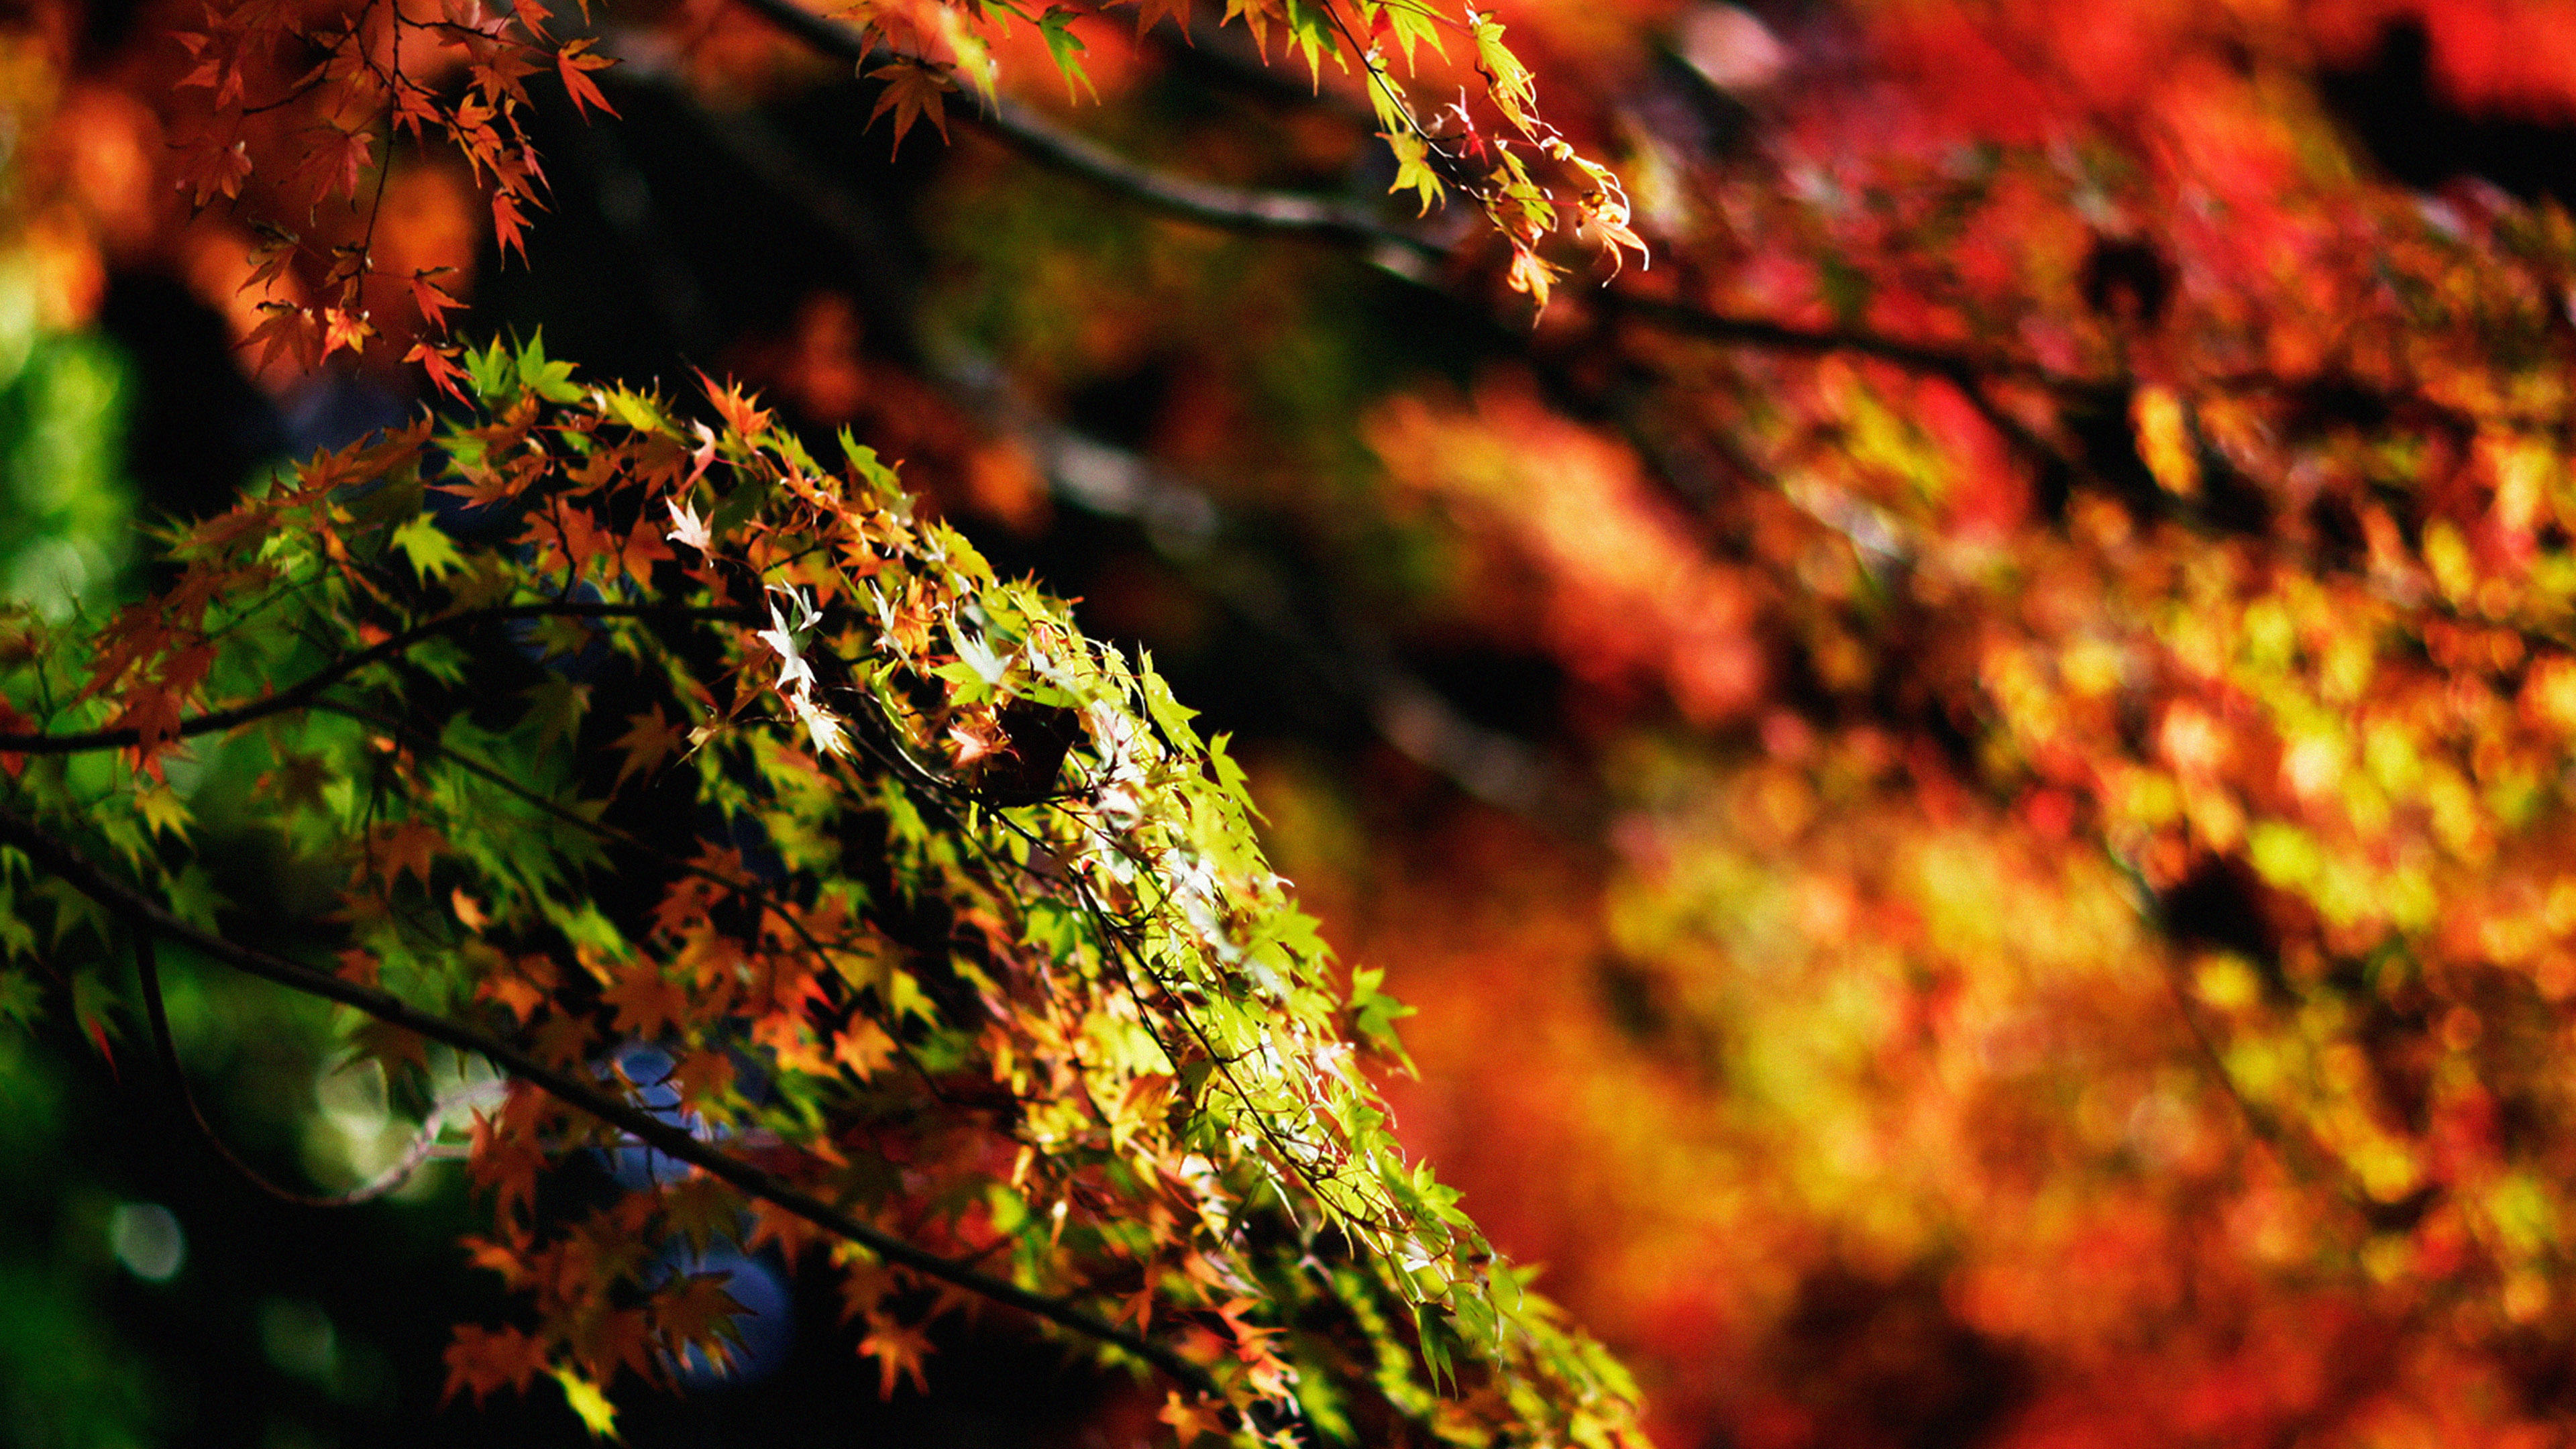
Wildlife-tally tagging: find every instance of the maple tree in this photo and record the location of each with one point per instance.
(959, 965)
(2009, 693)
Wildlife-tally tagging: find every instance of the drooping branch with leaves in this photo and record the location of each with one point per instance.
(950, 934)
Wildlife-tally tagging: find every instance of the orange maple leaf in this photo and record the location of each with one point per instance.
(344, 329)
(898, 1350)
(212, 171)
(739, 415)
(864, 1048)
(433, 300)
(649, 740)
(288, 329)
(646, 1004)
(702, 1078)
(482, 1359)
(570, 63)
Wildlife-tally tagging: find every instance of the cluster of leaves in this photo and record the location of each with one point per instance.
(336, 90)
(937, 909)
(1435, 148)
(2062, 590)
(332, 89)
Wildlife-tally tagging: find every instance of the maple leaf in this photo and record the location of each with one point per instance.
(597, 1414)
(212, 171)
(637, 551)
(1413, 167)
(791, 1042)
(649, 740)
(1507, 80)
(433, 300)
(697, 1311)
(863, 1047)
(571, 63)
(440, 364)
(509, 224)
(647, 1003)
(830, 737)
(432, 552)
(153, 714)
(1055, 27)
(911, 91)
(1191, 1418)
(406, 848)
(687, 527)
(163, 810)
(520, 997)
(1532, 274)
(506, 1155)
(414, 104)
(736, 410)
(898, 1350)
(275, 252)
(287, 329)
(795, 676)
(702, 1078)
(480, 1360)
(340, 159)
(1176, 11)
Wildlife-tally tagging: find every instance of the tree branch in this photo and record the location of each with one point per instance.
(60, 859)
(1232, 208)
(303, 691)
(1406, 253)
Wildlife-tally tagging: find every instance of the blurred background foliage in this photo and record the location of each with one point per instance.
(1978, 819)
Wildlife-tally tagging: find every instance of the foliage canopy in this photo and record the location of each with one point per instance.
(1997, 717)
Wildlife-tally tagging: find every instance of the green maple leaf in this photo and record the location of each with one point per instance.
(432, 553)
(1064, 45)
(21, 999)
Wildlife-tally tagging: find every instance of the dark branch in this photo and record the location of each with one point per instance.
(1961, 367)
(1408, 253)
(60, 859)
(303, 691)
(1232, 208)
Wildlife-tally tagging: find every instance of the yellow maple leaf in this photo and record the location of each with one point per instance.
(1413, 167)
(597, 1414)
